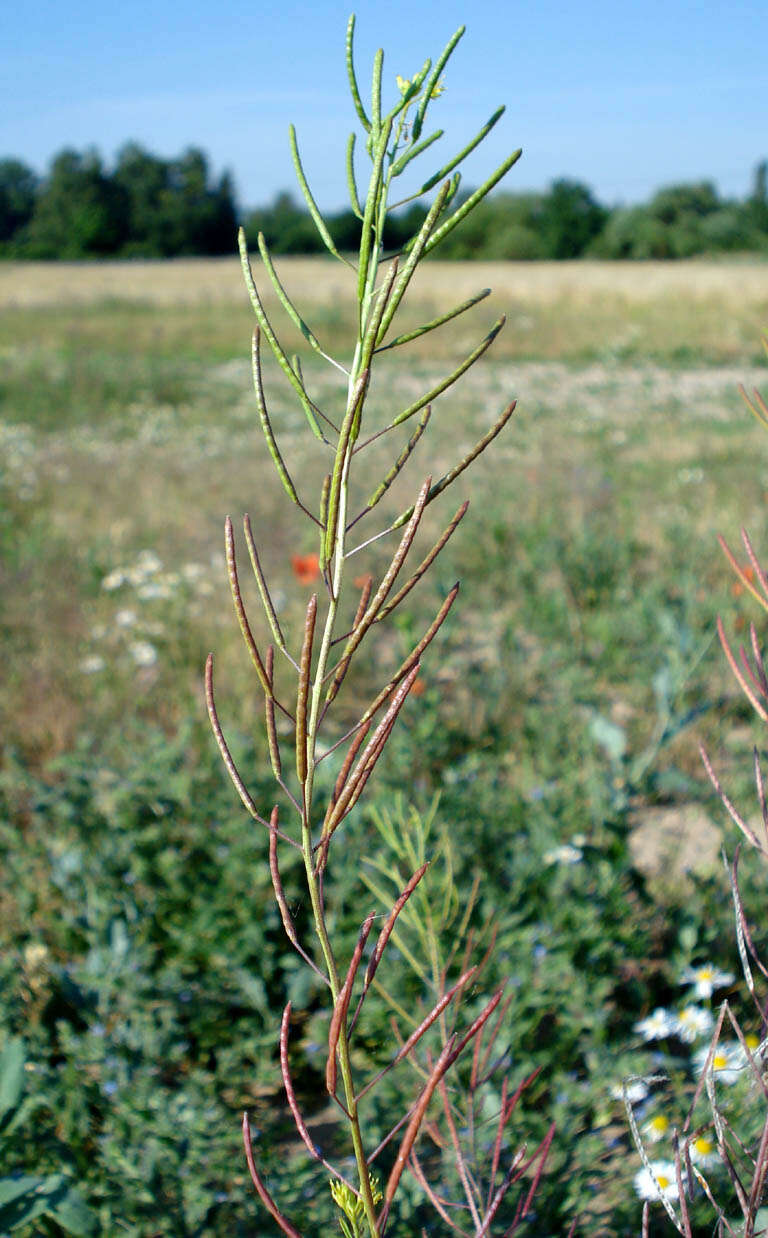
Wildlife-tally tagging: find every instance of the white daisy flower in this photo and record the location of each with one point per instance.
(635, 1091)
(657, 1026)
(143, 653)
(563, 855)
(154, 590)
(655, 1128)
(114, 580)
(727, 1061)
(126, 617)
(92, 664)
(706, 979)
(692, 1022)
(147, 564)
(704, 1152)
(661, 1183)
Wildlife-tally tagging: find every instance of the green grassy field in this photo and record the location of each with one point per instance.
(567, 696)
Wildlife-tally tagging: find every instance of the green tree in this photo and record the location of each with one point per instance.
(287, 227)
(79, 212)
(570, 219)
(18, 187)
(143, 179)
(758, 200)
(199, 218)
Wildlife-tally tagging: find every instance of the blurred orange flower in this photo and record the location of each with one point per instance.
(418, 687)
(306, 568)
(737, 587)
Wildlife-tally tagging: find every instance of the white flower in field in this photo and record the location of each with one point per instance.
(192, 572)
(704, 1152)
(656, 1026)
(92, 664)
(154, 590)
(655, 1128)
(727, 1061)
(114, 580)
(661, 1183)
(146, 564)
(566, 854)
(706, 979)
(692, 1022)
(126, 617)
(635, 1090)
(143, 653)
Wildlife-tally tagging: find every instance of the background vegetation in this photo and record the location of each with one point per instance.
(147, 206)
(142, 959)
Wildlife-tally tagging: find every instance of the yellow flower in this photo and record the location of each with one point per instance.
(404, 85)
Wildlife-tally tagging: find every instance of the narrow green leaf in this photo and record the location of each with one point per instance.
(14, 1188)
(74, 1216)
(28, 1198)
(309, 408)
(351, 181)
(400, 164)
(317, 218)
(401, 460)
(357, 395)
(378, 65)
(372, 203)
(457, 159)
(476, 353)
(290, 308)
(464, 463)
(383, 294)
(266, 424)
(240, 611)
(12, 1061)
(404, 278)
(433, 80)
(324, 493)
(364, 121)
(407, 336)
(261, 580)
(472, 201)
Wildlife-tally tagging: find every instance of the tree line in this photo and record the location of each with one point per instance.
(151, 207)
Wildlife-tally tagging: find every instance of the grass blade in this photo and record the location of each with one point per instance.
(312, 206)
(479, 447)
(274, 343)
(433, 80)
(290, 308)
(443, 385)
(407, 336)
(467, 150)
(353, 87)
(473, 200)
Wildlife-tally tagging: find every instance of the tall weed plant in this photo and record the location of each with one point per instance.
(319, 714)
(712, 1171)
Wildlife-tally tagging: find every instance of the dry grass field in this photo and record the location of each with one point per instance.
(128, 423)
(713, 310)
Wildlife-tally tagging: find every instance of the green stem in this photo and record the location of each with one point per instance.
(311, 876)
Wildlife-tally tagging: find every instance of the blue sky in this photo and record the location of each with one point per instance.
(626, 96)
